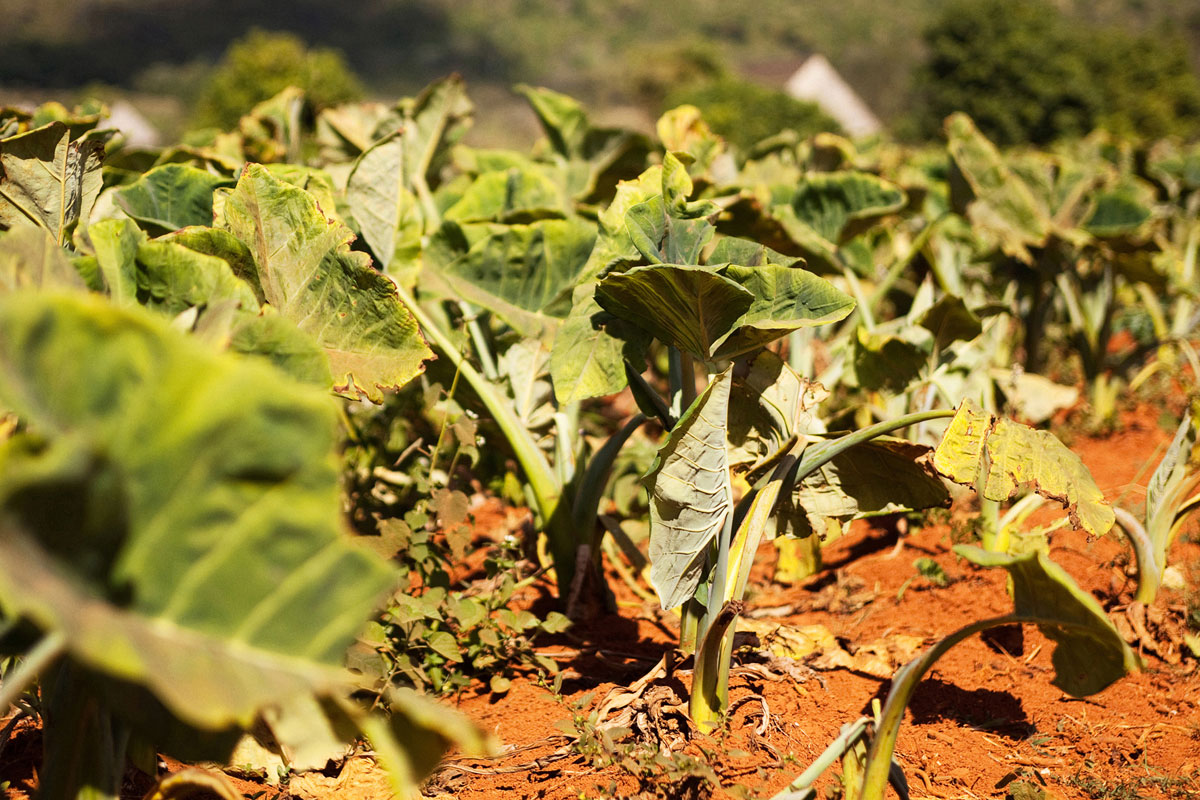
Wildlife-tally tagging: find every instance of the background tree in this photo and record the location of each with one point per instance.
(1026, 73)
(745, 113)
(262, 64)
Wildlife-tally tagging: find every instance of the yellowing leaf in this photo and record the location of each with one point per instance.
(310, 276)
(998, 456)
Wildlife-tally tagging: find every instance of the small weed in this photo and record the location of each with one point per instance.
(1173, 788)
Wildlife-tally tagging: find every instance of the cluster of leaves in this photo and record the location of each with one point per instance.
(332, 254)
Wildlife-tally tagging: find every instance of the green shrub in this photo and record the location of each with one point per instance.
(262, 64)
(745, 113)
(1025, 73)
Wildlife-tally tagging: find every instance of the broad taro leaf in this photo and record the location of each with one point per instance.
(30, 258)
(887, 362)
(163, 274)
(769, 402)
(197, 512)
(523, 273)
(194, 549)
(1089, 654)
(518, 194)
(380, 196)
(614, 248)
(949, 320)
(690, 494)
(998, 456)
(563, 119)
(224, 245)
(663, 238)
(310, 276)
(588, 152)
(877, 477)
(987, 191)
(48, 180)
(171, 197)
(434, 120)
(841, 205)
(824, 214)
(734, 250)
(280, 342)
(692, 308)
(116, 243)
(1119, 213)
(786, 299)
(590, 349)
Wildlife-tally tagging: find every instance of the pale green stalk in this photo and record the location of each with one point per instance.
(538, 472)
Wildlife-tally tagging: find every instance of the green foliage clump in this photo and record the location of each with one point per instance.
(1025, 73)
(745, 113)
(262, 64)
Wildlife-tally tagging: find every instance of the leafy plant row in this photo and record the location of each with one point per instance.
(181, 331)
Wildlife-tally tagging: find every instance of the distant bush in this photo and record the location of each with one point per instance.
(1025, 73)
(746, 113)
(262, 64)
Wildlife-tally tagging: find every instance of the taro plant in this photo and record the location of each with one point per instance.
(172, 550)
(500, 248)
(1172, 494)
(1070, 231)
(997, 456)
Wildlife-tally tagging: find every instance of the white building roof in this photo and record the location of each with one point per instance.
(818, 82)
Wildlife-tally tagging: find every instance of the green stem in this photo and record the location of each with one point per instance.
(1149, 571)
(483, 350)
(883, 744)
(801, 788)
(710, 681)
(591, 485)
(687, 375)
(547, 491)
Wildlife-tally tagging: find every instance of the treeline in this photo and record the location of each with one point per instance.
(1026, 70)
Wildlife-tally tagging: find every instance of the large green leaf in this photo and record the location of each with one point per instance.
(433, 120)
(768, 404)
(998, 456)
(1089, 653)
(692, 308)
(197, 503)
(786, 299)
(663, 238)
(877, 477)
(310, 276)
(172, 514)
(164, 274)
(116, 243)
(30, 258)
(380, 196)
(690, 494)
(585, 151)
(840, 205)
(225, 246)
(885, 361)
(48, 180)
(524, 273)
(995, 199)
(171, 196)
(590, 349)
(518, 194)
